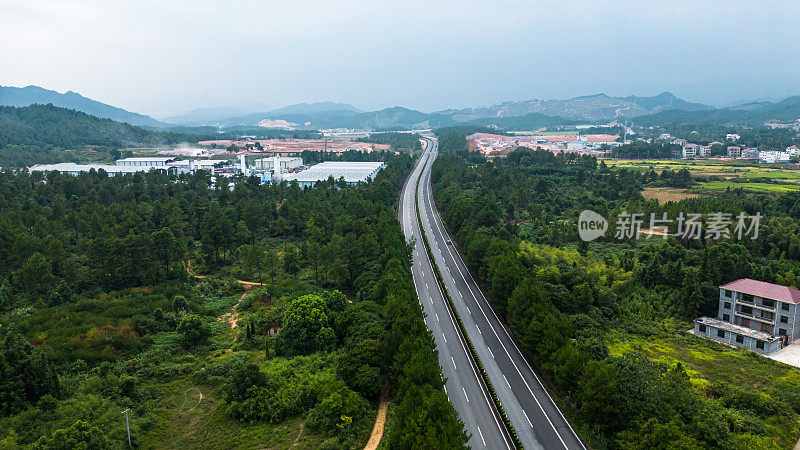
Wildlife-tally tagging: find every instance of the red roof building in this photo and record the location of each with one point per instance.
(764, 290)
(761, 316)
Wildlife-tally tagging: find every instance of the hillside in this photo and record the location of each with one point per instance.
(51, 126)
(525, 115)
(531, 121)
(751, 114)
(30, 95)
(315, 108)
(299, 113)
(600, 107)
(41, 133)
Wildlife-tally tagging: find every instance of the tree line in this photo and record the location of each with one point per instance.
(567, 300)
(105, 258)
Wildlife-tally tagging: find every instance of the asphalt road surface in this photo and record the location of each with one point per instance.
(463, 383)
(536, 419)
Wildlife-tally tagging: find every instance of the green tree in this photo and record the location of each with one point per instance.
(337, 412)
(79, 436)
(307, 326)
(254, 258)
(194, 330)
(6, 300)
(426, 419)
(25, 375)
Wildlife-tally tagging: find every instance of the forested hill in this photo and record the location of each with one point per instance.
(607, 321)
(49, 126)
(30, 95)
(752, 114)
(99, 315)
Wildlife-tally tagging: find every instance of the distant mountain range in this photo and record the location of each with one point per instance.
(748, 114)
(593, 108)
(49, 126)
(660, 109)
(599, 107)
(14, 96)
(297, 114)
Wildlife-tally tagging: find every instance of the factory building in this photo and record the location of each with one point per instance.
(352, 172)
(75, 169)
(172, 167)
(191, 165)
(283, 163)
(155, 161)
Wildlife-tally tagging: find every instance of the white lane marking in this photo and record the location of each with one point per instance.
(445, 389)
(431, 298)
(454, 363)
(507, 383)
(482, 439)
(479, 328)
(426, 285)
(437, 316)
(445, 338)
(420, 202)
(502, 345)
(468, 311)
(465, 394)
(490, 352)
(526, 418)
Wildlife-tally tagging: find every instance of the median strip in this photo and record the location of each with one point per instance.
(487, 383)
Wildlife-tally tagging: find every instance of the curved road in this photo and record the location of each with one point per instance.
(535, 417)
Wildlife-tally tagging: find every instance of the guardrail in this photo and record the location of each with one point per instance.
(462, 330)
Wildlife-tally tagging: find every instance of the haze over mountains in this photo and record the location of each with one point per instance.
(528, 114)
(15, 96)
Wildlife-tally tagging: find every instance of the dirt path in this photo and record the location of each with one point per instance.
(302, 427)
(232, 317)
(380, 420)
(181, 410)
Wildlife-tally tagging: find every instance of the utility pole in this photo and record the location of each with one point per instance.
(128, 425)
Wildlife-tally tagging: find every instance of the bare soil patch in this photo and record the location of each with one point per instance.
(664, 195)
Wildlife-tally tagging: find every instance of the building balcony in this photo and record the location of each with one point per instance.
(760, 318)
(756, 305)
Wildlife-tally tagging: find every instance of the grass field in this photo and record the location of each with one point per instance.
(756, 187)
(193, 416)
(708, 362)
(719, 168)
(774, 174)
(745, 175)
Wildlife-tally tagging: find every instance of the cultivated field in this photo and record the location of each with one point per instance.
(758, 187)
(750, 176)
(664, 195)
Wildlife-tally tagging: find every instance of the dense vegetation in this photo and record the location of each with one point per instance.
(646, 150)
(270, 133)
(754, 114)
(99, 314)
(759, 137)
(408, 142)
(41, 133)
(606, 321)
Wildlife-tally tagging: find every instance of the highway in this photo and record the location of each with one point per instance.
(533, 414)
(463, 385)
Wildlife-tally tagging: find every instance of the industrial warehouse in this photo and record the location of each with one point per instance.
(352, 172)
(266, 169)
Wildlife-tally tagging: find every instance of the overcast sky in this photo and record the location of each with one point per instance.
(165, 57)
